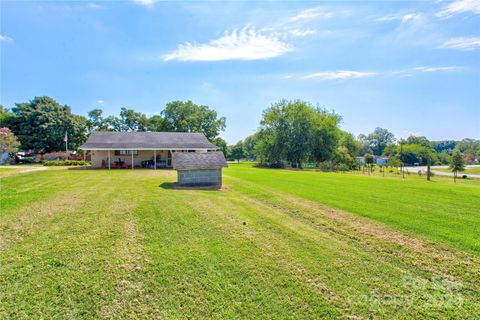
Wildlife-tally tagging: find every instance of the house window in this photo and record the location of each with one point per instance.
(126, 152)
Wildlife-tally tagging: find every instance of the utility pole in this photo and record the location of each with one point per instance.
(401, 158)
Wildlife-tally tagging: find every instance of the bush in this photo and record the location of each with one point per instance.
(464, 176)
(55, 156)
(66, 163)
(270, 165)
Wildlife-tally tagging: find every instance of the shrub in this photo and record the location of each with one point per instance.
(66, 163)
(55, 156)
(464, 176)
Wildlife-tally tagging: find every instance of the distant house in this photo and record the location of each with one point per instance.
(142, 149)
(199, 169)
(378, 160)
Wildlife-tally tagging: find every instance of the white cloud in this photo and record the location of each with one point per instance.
(349, 74)
(100, 101)
(460, 6)
(4, 38)
(311, 14)
(462, 43)
(245, 44)
(401, 17)
(342, 74)
(438, 69)
(94, 6)
(302, 32)
(146, 3)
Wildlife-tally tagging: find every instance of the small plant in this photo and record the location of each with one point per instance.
(65, 163)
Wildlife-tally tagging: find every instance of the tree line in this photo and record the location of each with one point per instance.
(291, 133)
(41, 124)
(296, 132)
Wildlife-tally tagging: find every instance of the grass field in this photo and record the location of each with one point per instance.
(271, 244)
(472, 170)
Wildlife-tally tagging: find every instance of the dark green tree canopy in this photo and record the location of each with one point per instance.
(379, 139)
(41, 125)
(296, 131)
(186, 116)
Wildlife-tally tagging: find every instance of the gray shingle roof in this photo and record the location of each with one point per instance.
(198, 160)
(147, 140)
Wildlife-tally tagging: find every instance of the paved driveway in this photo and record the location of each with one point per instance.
(441, 173)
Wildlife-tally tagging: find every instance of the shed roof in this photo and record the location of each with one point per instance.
(107, 140)
(198, 160)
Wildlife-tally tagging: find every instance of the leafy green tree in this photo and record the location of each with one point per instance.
(221, 144)
(132, 120)
(420, 140)
(156, 123)
(295, 131)
(8, 142)
(96, 122)
(5, 116)
(237, 151)
(364, 145)
(457, 164)
(379, 139)
(41, 125)
(249, 145)
(186, 116)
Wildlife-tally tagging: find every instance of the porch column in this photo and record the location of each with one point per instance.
(132, 160)
(108, 159)
(155, 159)
(84, 156)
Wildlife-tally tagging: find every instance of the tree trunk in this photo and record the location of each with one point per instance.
(428, 170)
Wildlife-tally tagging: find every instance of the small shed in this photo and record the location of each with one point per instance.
(199, 168)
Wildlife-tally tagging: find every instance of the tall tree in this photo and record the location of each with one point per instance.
(237, 151)
(249, 144)
(96, 122)
(41, 125)
(296, 131)
(132, 120)
(379, 139)
(186, 116)
(457, 164)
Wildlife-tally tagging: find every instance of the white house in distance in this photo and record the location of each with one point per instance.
(153, 150)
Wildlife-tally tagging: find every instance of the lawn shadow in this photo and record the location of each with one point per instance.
(176, 186)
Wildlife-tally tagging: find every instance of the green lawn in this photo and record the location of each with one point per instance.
(474, 170)
(271, 244)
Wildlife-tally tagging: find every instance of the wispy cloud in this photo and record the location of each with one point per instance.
(302, 32)
(352, 74)
(4, 38)
(439, 69)
(460, 6)
(311, 13)
(244, 44)
(146, 3)
(403, 18)
(100, 101)
(94, 6)
(335, 75)
(462, 43)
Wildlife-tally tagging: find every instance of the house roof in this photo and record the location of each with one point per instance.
(198, 160)
(107, 140)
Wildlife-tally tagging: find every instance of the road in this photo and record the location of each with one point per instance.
(442, 173)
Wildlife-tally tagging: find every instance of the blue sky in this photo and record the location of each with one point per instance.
(411, 67)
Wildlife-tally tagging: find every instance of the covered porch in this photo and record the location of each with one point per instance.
(131, 159)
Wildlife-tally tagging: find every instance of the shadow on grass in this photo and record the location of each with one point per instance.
(176, 186)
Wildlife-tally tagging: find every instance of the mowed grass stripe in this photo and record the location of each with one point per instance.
(206, 271)
(358, 281)
(134, 248)
(439, 210)
(71, 265)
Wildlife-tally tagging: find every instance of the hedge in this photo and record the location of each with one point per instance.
(66, 163)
